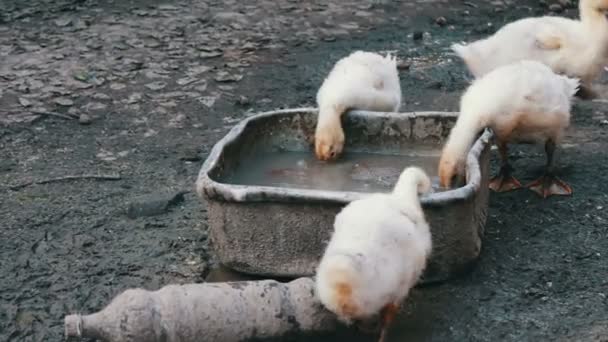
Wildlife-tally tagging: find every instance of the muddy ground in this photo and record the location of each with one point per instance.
(135, 93)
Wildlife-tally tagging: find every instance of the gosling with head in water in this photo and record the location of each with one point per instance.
(524, 102)
(377, 253)
(363, 80)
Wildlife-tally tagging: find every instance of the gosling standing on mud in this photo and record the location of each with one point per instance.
(377, 253)
(524, 102)
(363, 80)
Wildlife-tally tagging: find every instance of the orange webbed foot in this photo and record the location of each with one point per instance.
(549, 185)
(504, 181)
(389, 312)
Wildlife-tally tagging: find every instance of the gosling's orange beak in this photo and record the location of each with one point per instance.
(447, 169)
(324, 152)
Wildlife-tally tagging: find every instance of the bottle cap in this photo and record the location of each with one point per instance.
(73, 326)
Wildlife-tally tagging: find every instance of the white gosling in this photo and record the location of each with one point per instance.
(377, 252)
(575, 48)
(363, 80)
(524, 102)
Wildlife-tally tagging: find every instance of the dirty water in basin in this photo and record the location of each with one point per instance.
(353, 171)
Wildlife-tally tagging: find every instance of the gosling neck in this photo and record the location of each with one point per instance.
(463, 135)
(406, 192)
(330, 117)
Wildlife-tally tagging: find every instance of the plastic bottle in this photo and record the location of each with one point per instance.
(233, 311)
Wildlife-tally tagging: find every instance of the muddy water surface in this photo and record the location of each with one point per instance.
(354, 171)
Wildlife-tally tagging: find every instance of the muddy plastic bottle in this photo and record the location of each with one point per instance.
(226, 312)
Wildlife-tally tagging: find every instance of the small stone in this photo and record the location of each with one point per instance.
(152, 43)
(92, 106)
(243, 101)
(94, 44)
(208, 101)
(441, 21)
(185, 81)
(117, 86)
(25, 102)
(197, 70)
(35, 84)
(153, 205)
(134, 98)
(249, 46)
(226, 88)
(434, 85)
(62, 22)
(167, 8)
(229, 17)
(238, 64)
(141, 13)
(84, 119)
(224, 76)
(81, 75)
(210, 54)
(557, 8)
(81, 24)
(202, 87)
(62, 101)
(190, 154)
(417, 35)
(101, 96)
(132, 64)
(158, 85)
(403, 65)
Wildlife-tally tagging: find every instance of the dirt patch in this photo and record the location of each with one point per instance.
(144, 89)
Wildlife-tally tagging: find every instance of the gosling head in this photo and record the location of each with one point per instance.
(451, 170)
(329, 142)
(599, 6)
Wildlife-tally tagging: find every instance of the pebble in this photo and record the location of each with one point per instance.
(155, 204)
(101, 96)
(158, 85)
(62, 101)
(117, 86)
(243, 101)
(557, 8)
(418, 35)
(84, 119)
(230, 17)
(441, 21)
(62, 22)
(223, 76)
(210, 54)
(190, 154)
(25, 102)
(403, 65)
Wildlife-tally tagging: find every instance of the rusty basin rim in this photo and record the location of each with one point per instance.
(212, 190)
